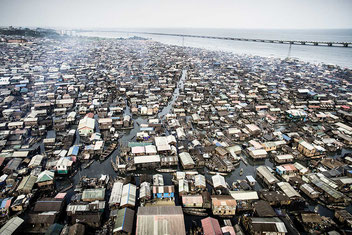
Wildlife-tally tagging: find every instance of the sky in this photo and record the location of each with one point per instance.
(251, 14)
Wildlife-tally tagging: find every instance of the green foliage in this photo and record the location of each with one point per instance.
(38, 32)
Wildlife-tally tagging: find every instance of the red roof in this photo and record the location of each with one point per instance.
(345, 107)
(60, 195)
(2, 159)
(211, 226)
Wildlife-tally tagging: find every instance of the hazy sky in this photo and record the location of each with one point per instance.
(177, 13)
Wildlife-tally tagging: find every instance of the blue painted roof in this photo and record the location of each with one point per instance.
(286, 137)
(75, 150)
(3, 203)
(146, 128)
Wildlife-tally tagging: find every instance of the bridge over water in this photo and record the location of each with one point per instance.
(292, 42)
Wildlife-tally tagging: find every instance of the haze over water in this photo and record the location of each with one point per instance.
(314, 54)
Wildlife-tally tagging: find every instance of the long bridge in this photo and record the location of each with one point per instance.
(292, 42)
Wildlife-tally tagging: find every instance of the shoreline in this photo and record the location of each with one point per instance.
(273, 56)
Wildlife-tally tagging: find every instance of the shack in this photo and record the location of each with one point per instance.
(90, 195)
(265, 174)
(223, 205)
(124, 221)
(160, 219)
(128, 198)
(116, 194)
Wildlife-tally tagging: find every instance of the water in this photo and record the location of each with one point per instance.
(98, 168)
(167, 108)
(313, 54)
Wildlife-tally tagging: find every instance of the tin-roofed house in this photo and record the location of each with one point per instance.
(257, 153)
(86, 126)
(124, 221)
(255, 225)
(158, 179)
(218, 181)
(12, 165)
(147, 161)
(128, 198)
(160, 220)
(90, 195)
(192, 201)
(27, 184)
(199, 182)
(73, 152)
(306, 148)
(90, 214)
(45, 179)
(167, 191)
(186, 160)
(162, 144)
(12, 226)
(116, 194)
(223, 205)
(211, 226)
(45, 213)
(145, 191)
(63, 165)
(309, 191)
(35, 161)
(244, 199)
(266, 175)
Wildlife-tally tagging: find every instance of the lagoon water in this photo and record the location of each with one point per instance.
(314, 54)
(330, 55)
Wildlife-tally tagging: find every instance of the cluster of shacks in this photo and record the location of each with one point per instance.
(236, 144)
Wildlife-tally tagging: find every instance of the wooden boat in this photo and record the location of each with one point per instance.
(244, 160)
(166, 170)
(88, 164)
(241, 172)
(107, 152)
(191, 172)
(66, 189)
(195, 209)
(217, 173)
(192, 212)
(114, 166)
(73, 173)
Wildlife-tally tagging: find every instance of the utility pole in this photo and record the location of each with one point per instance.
(289, 51)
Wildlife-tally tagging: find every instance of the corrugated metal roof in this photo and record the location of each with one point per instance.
(186, 158)
(288, 189)
(211, 226)
(90, 194)
(128, 195)
(244, 195)
(264, 171)
(160, 220)
(27, 183)
(124, 220)
(11, 226)
(146, 159)
(116, 193)
(218, 181)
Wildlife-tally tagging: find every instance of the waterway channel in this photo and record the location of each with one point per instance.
(104, 168)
